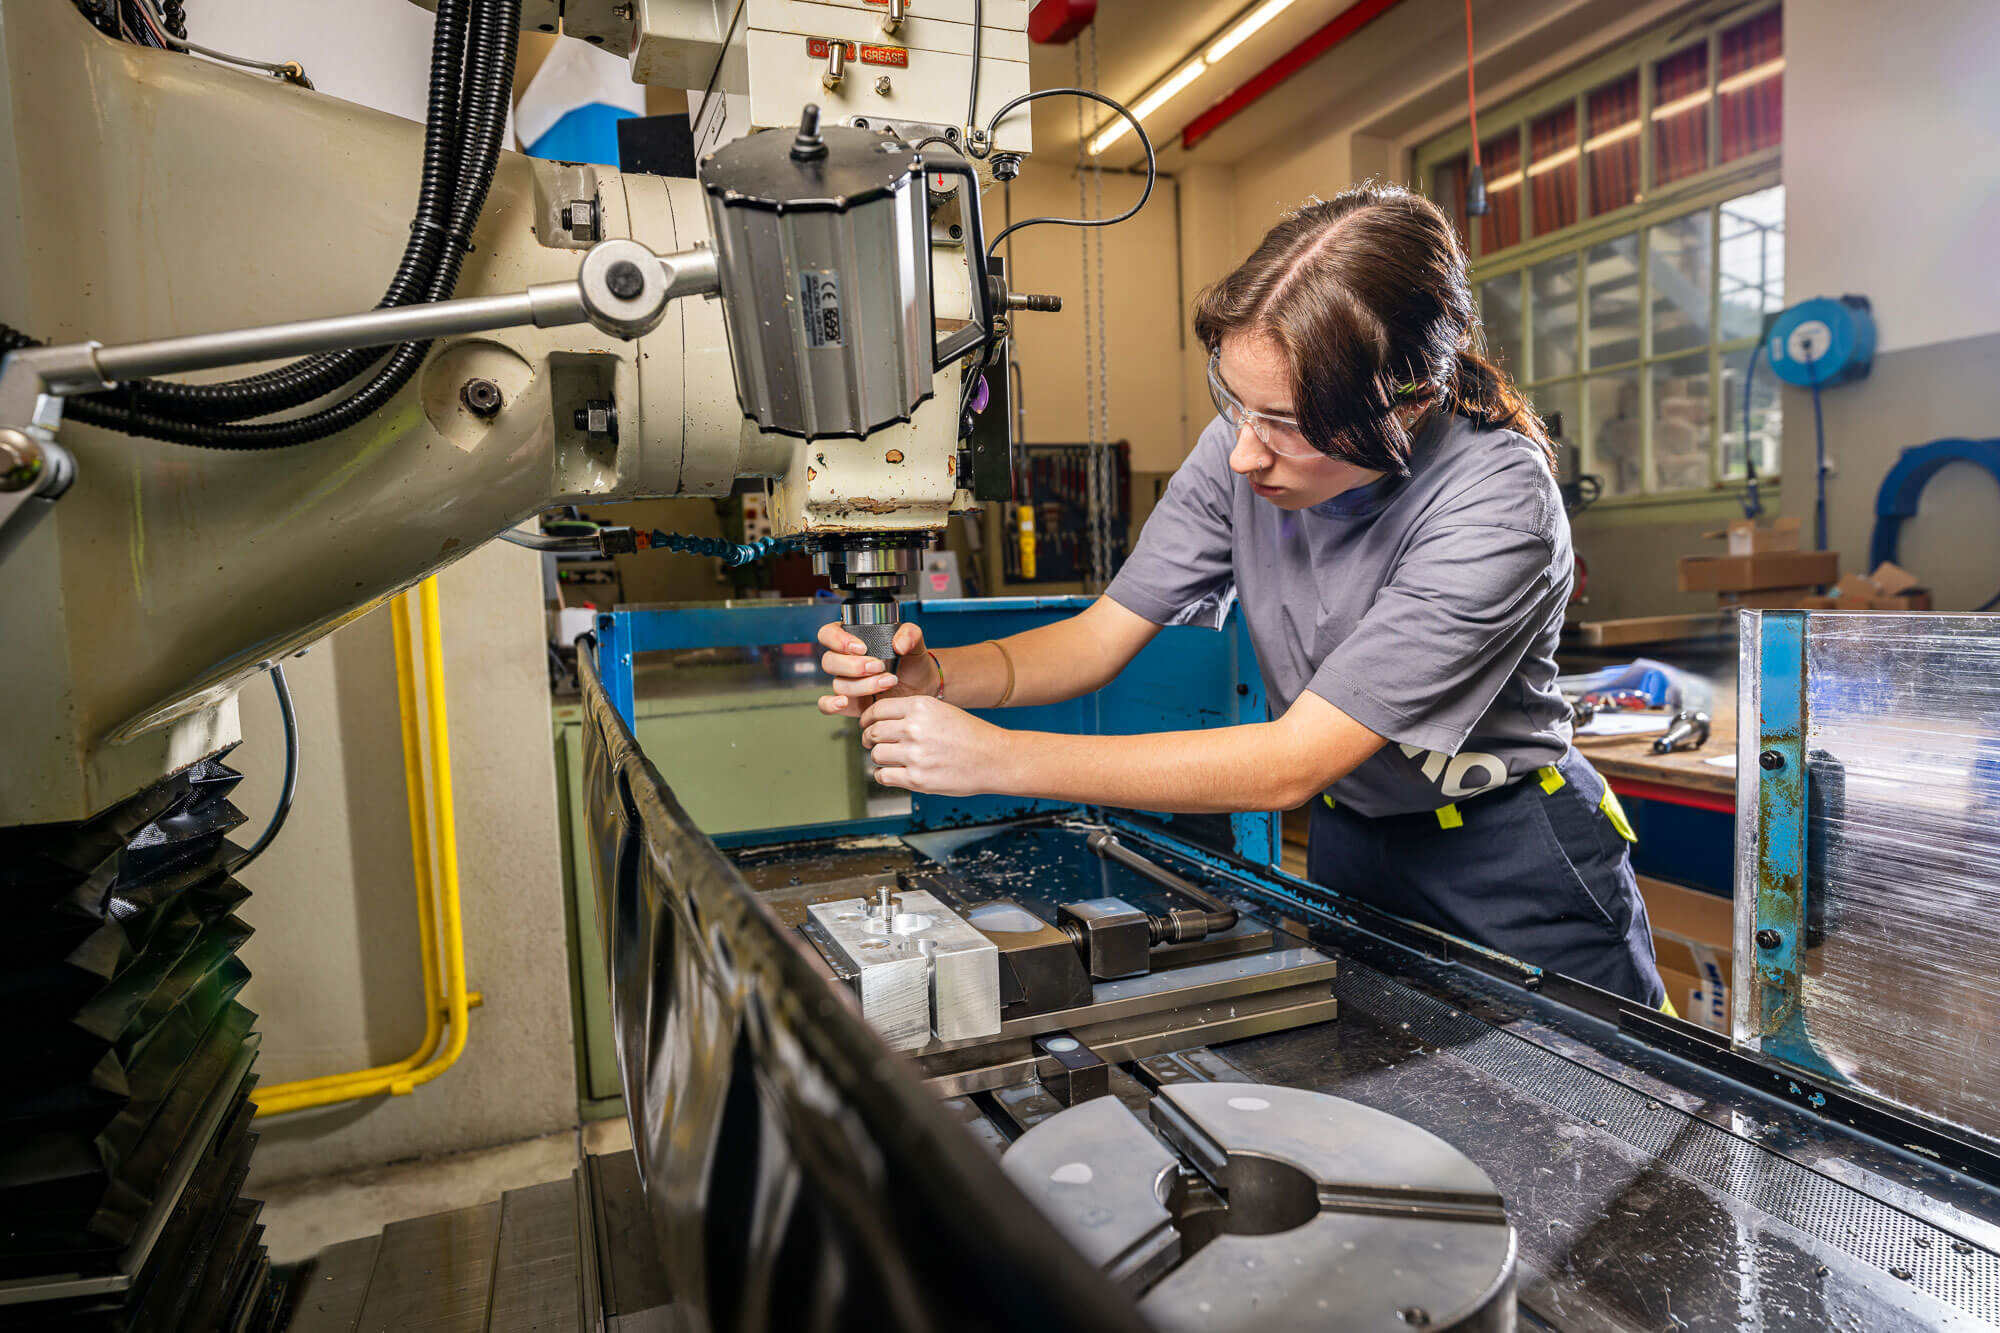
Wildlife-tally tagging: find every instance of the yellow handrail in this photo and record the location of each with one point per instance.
(417, 1068)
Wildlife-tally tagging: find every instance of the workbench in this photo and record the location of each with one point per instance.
(1682, 807)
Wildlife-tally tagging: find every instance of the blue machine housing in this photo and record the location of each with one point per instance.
(1822, 342)
(1188, 678)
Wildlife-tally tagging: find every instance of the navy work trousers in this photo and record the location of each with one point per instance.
(1541, 875)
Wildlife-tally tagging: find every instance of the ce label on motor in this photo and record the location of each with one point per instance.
(819, 298)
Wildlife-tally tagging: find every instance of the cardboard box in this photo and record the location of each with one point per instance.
(1745, 537)
(1692, 941)
(1758, 573)
(1769, 599)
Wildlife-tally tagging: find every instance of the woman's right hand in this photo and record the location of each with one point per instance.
(859, 679)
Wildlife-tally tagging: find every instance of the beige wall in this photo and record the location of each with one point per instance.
(334, 962)
(1889, 192)
(1144, 334)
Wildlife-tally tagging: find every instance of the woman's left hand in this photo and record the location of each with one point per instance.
(927, 745)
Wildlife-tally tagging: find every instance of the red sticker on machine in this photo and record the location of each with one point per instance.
(885, 55)
(816, 47)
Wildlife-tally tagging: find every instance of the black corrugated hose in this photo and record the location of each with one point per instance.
(472, 78)
(316, 376)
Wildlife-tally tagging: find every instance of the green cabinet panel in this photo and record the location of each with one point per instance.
(740, 751)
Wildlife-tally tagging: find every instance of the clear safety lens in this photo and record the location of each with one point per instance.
(1281, 435)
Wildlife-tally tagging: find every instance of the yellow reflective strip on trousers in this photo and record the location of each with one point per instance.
(1616, 814)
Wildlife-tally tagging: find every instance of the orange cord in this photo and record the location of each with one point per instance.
(1471, 100)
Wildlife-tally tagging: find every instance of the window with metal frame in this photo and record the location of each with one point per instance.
(1634, 246)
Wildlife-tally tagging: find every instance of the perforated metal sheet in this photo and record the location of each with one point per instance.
(1932, 1260)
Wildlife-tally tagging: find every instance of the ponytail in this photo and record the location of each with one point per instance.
(1482, 393)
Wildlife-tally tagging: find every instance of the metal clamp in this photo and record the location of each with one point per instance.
(1782, 784)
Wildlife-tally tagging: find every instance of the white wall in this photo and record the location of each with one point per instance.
(1891, 114)
(1891, 117)
(334, 962)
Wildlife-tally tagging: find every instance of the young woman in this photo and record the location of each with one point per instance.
(1380, 502)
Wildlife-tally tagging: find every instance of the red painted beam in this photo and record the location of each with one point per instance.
(1337, 30)
(1057, 21)
(1693, 797)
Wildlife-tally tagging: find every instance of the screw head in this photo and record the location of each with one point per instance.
(482, 398)
(1769, 939)
(624, 280)
(20, 460)
(1770, 761)
(882, 86)
(955, 231)
(951, 133)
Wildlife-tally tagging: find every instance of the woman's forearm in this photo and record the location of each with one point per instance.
(1049, 663)
(1261, 766)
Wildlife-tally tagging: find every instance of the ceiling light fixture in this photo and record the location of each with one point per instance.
(1243, 31)
(1150, 103)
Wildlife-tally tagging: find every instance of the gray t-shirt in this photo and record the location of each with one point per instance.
(1426, 608)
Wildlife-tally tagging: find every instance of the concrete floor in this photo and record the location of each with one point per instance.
(303, 1217)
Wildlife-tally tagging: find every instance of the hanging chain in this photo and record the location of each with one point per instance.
(1090, 407)
(1101, 455)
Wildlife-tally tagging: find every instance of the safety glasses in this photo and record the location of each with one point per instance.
(1281, 435)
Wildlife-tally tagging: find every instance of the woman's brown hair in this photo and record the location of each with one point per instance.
(1366, 293)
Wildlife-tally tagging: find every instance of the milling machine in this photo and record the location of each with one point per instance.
(838, 1121)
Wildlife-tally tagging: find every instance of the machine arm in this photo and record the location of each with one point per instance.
(622, 288)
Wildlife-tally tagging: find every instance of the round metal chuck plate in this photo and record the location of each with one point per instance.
(1301, 1211)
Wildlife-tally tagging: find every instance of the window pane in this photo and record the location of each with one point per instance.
(1552, 154)
(1612, 404)
(1767, 425)
(1614, 301)
(1556, 405)
(1753, 261)
(1681, 417)
(1500, 313)
(1448, 193)
(1501, 157)
(1678, 276)
(1613, 146)
(1750, 86)
(1680, 115)
(1553, 284)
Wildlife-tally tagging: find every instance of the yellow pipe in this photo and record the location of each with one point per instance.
(420, 856)
(447, 844)
(418, 1068)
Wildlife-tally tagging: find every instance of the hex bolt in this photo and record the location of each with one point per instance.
(580, 216)
(482, 398)
(1769, 939)
(624, 280)
(598, 419)
(1770, 761)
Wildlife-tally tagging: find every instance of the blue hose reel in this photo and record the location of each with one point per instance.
(1822, 342)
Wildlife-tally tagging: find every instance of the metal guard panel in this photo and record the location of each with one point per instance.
(796, 1172)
